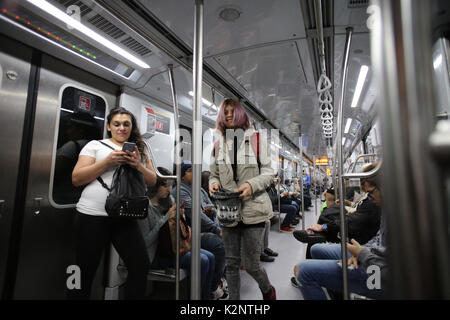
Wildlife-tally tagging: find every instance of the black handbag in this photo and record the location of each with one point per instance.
(127, 196)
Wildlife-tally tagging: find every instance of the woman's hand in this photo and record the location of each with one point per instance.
(246, 189)
(133, 159)
(172, 212)
(213, 188)
(116, 158)
(316, 227)
(354, 248)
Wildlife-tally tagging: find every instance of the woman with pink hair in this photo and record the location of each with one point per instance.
(236, 166)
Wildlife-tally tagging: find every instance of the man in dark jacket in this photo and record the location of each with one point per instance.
(368, 268)
(362, 224)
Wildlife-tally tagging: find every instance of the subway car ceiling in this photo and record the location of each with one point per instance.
(263, 52)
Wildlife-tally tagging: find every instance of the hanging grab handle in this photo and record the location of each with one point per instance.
(325, 97)
(325, 107)
(324, 84)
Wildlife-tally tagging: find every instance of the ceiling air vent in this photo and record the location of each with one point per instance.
(358, 3)
(106, 26)
(135, 46)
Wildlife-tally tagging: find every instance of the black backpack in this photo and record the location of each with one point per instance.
(127, 196)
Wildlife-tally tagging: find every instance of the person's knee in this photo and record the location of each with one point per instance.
(317, 250)
(303, 272)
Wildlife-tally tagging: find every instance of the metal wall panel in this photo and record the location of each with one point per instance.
(14, 77)
(47, 245)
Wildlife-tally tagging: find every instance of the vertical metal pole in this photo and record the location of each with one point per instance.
(197, 150)
(418, 226)
(341, 163)
(279, 204)
(178, 181)
(301, 179)
(315, 185)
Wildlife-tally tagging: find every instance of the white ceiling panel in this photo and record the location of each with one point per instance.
(259, 21)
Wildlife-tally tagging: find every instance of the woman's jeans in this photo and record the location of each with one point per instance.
(251, 240)
(93, 234)
(323, 270)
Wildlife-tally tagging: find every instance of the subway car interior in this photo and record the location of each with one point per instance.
(334, 86)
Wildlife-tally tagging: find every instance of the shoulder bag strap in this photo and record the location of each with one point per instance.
(99, 178)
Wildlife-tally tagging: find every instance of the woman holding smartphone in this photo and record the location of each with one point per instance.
(94, 229)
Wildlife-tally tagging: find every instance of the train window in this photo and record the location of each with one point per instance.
(81, 119)
(186, 145)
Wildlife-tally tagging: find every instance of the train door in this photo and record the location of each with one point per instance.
(14, 78)
(68, 100)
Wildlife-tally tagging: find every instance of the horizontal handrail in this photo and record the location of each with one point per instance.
(350, 168)
(360, 175)
(152, 159)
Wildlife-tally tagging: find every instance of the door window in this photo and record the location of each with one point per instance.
(81, 119)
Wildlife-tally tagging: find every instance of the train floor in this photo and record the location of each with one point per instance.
(290, 252)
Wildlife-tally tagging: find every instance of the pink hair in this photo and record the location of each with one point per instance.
(240, 116)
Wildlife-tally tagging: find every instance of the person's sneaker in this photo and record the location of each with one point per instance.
(305, 237)
(286, 229)
(271, 295)
(264, 257)
(270, 252)
(219, 294)
(294, 282)
(223, 284)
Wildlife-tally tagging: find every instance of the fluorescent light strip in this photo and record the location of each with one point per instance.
(58, 14)
(348, 124)
(359, 85)
(343, 140)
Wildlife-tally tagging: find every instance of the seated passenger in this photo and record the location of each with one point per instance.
(211, 231)
(362, 224)
(159, 232)
(289, 221)
(325, 270)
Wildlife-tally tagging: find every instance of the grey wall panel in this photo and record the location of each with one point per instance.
(47, 246)
(14, 76)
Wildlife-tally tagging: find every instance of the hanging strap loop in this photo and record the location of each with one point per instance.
(324, 84)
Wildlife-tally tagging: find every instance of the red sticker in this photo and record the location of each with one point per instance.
(85, 103)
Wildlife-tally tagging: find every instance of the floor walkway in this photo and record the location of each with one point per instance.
(290, 252)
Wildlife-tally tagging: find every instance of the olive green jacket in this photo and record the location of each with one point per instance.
(257, 207)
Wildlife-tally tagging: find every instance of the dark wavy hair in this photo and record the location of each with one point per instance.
(135, 135)
(165, 203)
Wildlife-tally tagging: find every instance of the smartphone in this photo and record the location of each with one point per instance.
(128, 146)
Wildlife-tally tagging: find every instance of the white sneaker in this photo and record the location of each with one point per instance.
(219, 294)
(224, 285)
